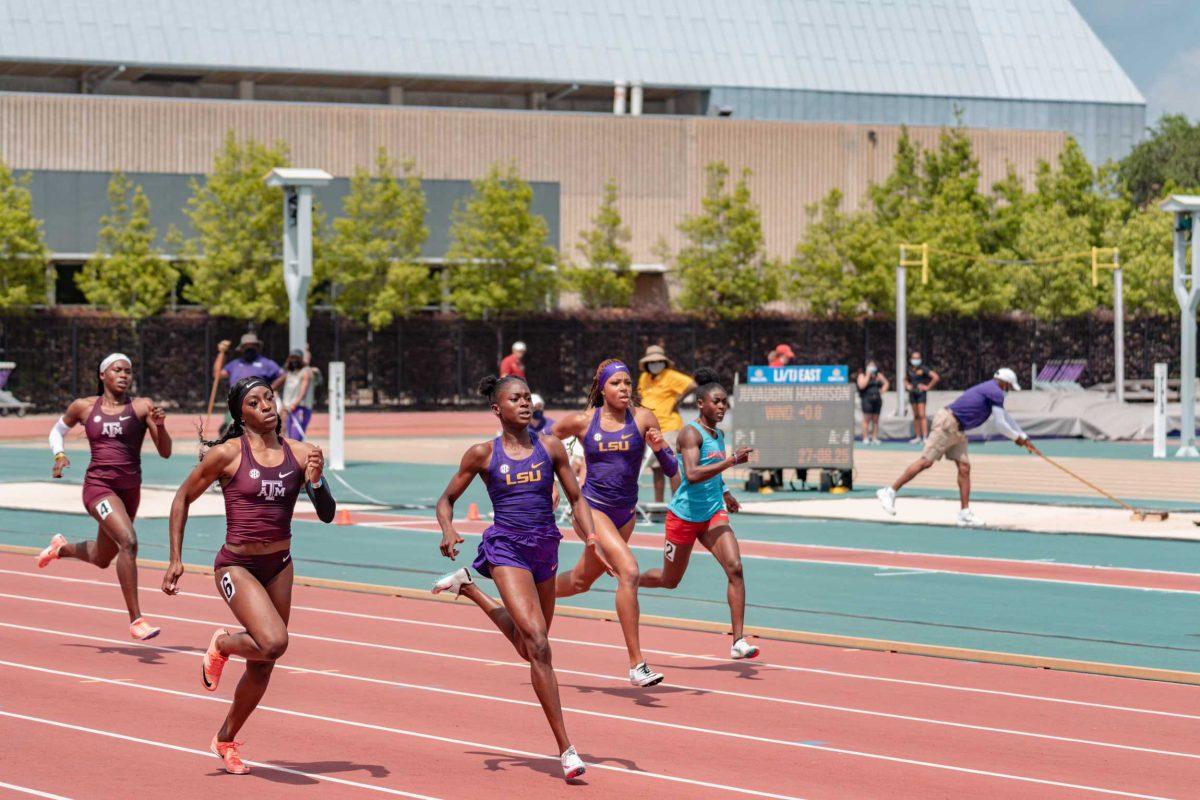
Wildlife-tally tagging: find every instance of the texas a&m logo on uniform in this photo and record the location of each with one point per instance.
(271, 489)
(111, 429)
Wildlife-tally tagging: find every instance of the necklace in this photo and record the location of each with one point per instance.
(712, 430)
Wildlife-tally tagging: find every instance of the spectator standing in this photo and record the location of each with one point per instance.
(918, 380)
(514, 362)
(297, 396)
(872, 386)
(781, 356)
(662, 387)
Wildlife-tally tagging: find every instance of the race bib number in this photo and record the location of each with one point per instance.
(669, 551)
(227, 587)
(104, 508)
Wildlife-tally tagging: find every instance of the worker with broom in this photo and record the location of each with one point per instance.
(947, 437)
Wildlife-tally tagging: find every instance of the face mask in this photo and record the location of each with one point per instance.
(916, 362)
(872, 369)
(656, 367)
(539, 415)
(249, 354)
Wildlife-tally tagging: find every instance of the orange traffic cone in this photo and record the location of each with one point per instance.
(473, 512)
(344, 518)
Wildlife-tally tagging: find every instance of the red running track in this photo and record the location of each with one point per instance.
(383, 696)
(1160, 580)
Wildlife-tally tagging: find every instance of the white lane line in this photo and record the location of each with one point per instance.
(905, 572)
(810, 746)
(694, 656)
(388, 729)
(622, 717)
(206, 754)
(34, 792)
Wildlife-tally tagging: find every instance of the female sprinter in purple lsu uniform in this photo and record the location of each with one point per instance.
(519, 550)
(614, 462)
(112, 485)
(261, 475)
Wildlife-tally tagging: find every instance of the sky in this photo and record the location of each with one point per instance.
(1157, 43)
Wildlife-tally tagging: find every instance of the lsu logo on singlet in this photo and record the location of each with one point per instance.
(112, 430)
(270, 489)
(533, 475)
(621, 446)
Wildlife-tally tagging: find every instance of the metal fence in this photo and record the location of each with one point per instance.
(430, 362)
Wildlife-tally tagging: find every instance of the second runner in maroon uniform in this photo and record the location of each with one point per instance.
(116, 425)
(261, 475)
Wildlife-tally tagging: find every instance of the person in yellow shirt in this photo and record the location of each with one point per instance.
(662, 387)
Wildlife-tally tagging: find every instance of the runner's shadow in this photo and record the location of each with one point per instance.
(497, 762)
(743, 670)
(646, 698)
(312, 767)
(144, 655)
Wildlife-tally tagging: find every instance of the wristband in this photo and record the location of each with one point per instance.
(318, 484)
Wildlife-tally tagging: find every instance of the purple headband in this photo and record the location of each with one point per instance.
(612, 369)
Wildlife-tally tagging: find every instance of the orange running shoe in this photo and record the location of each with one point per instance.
(228, 753)
(212, 664)
(141, 630)
(57, 542)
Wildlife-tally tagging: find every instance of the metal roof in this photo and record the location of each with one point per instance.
(1011, 49)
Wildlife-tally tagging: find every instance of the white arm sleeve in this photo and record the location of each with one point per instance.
(60, 429)
(1006, 424)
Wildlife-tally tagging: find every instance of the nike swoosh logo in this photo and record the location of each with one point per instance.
(285, 474)
(122, 419)
(626, 435)
(535, 466)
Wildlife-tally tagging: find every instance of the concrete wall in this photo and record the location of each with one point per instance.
(658, 162)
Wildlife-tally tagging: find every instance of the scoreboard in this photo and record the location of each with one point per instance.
(795, 424)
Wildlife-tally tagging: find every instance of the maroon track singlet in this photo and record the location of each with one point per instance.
(259, 500)
(116, 442)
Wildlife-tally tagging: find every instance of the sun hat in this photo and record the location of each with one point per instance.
(1008, 376)
(654, 353)
(248, 339)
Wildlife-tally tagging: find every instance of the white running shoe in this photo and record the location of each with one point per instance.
(915, 440)
(743, 649)
(876, 441)
(642, 675)
(453, 582)
(887, 496)
(572, 764)
(967, 519)
(52, 550)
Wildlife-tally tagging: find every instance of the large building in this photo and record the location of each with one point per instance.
(809, 94)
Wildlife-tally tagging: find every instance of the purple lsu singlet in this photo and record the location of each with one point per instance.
(520, 490)
(614, 461)
(116, 442)
(259, 500)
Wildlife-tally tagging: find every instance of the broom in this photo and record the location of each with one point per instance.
(1138, 514)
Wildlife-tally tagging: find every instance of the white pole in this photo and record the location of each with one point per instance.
(1160, 410)
(297, 260)
(619, 97)
(1118, 329)
(337, 415)
(901, 333)
(1188, 294)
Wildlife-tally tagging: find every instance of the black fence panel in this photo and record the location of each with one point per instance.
(437, 361)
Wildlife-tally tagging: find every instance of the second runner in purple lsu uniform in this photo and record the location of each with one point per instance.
(614, 461)
(523, 532)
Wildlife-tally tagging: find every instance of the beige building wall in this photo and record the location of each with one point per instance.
(658, 162)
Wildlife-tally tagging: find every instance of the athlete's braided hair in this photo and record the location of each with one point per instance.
(595, 397)
(707, 381)
(489, 387)
(237, 394)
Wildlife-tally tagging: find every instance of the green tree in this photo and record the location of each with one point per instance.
(723, 267)
(1169, 158)
(127, 273)
(1146, 246)
(605, 280)
(23, 253)
(498, 247)
(374, 254)
(844, 263)
(1059, 288)
(233, 261)
(900, 195)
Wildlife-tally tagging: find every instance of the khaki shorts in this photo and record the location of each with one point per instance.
(671, 438)
(945, 439)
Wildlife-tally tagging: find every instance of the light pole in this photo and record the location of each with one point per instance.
(902, 266)
(1118, 312)
(297, 185)
(1186, 209)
